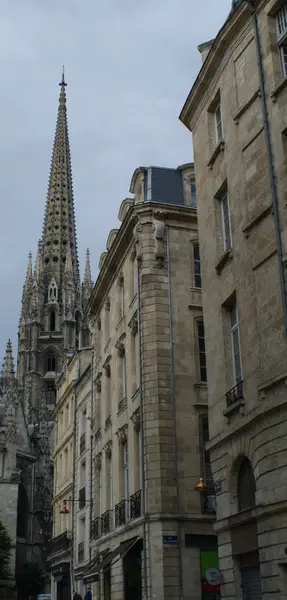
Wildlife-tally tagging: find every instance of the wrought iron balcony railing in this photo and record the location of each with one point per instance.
(96, 528)
(81, 552)
(82, 498)
(82, 443)
(60, 543)
(135, 505)
(235, 394)
(106, 522)
(108, 422)
(121, 513)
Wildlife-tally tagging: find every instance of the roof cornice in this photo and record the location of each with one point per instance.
(122, 242)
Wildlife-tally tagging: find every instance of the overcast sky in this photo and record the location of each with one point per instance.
(129, 66)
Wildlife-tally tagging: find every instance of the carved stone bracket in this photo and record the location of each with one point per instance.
(159, 229)
(107, 366)
(122, 435)
(108, 304)
(99, 461)
(133, 324)
(120, 346)
(108, 449)
(137, 235)
(92, 325)
(120, 279)
(98, 382)
(136, 419)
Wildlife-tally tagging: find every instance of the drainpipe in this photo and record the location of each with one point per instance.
(175, 454)
(32, 512)
(91, 453)
(74, 479)
(142, 437)
(271, 169)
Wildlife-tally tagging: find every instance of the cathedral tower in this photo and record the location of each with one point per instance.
(51, 321)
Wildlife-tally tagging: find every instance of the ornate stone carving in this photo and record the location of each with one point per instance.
(120, 346)
(158, 229)
(108, 304)
(108, 449)
(120, 279)
(136, 419)
(137, 235)
(98, 382)
(133, 324)
(99, 461)
(122, 435)
(107, 366)
(92, 325)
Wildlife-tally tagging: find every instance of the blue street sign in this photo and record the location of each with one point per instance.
(170, 539)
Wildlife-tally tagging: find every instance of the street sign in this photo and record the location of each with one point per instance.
(217, 486)
(171, 540)
(213, 576)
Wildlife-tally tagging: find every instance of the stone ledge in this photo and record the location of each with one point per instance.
(245, 106)
(278, 89)
(238, 406)
(219, 148)
(259, 216)
(227, 255)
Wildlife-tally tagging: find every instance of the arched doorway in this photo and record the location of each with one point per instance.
(22, 512)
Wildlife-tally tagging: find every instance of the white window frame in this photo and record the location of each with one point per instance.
(225, 218)
(234, 330)
(196, 261)
(193, 194)
(281, 33)
(218, 125)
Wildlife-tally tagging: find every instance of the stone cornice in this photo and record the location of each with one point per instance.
(213, 62)
(121, 244)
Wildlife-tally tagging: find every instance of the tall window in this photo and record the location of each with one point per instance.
(218, 124)
(193, 194)
(246, 486)
(123, 366)
(50, 393)
(110, 483)
(196, 263)
(202, 355)
(126, 471)
(206, 467)
(225, 215)
(100, 492)
(51, 361)
(235, 343)
(52, 320)
(281, 30)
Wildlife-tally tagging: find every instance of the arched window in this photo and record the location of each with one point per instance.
(246, 486)
(52, 320)
(78, 324)
(51, 361)
(22, 512)
(50, 393)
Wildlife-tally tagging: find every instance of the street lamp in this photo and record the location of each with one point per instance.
(65, 511)
(201, 486)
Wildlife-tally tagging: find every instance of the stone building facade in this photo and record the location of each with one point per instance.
(152, 533)
(236, 111)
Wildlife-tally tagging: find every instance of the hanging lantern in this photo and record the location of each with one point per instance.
(200, 486)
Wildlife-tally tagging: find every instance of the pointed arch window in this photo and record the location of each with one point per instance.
(22, 512)
(51, 361)
(246, 486)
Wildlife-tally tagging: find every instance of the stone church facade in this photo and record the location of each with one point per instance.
(51, 326)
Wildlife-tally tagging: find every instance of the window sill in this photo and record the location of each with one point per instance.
(278, 89)
(121, 406)
(219, 148)
(227, 255)
(108, 422)
(245, 106)
(256, 219)
(238, 406)
(122, 319)
(200, 385)
(135, 394)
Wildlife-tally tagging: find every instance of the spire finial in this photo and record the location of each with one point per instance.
(63, 83)
(8, 364)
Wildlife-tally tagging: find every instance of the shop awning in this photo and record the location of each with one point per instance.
(119, 552)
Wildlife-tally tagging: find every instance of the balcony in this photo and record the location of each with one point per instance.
(121, 513)
(234, 395)
(82, 443)
(61, 543)
(81, 552)
(135, 505)
(106, 522)
(95, 529)
(82, 498)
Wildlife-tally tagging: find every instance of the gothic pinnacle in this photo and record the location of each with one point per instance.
(8, 364)
(88, 277)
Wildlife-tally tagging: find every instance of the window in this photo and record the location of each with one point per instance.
(246, 486)
(218, 124)
(124, 391)
(202, 356)
(110, 483)
(226, 230)
(196, 262)
(51, 361)
(126, 471)
(281, 30)
(235, 344)
(50, 393)
(52, 320)
(193, 194)
(206, 467)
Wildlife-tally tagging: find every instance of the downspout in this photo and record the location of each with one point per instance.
(32, 512)
(271, 169)
(91, 454)
(175, 453)
(142, 437)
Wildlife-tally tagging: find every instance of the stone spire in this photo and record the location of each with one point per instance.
(27, 287)
(59, 229)
(87, 283)
(8, 371)
(39, 263)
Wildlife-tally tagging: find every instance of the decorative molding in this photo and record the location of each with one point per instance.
(122, 435)
(219, 148)
(120, 279)
(227, 255)
(107, 366)
(159, 229)
(108, 449)
(137, 236)
(98, 382)
(136, 419)
(133, 324)
(108, 304)
(120, 346)
(99, 461)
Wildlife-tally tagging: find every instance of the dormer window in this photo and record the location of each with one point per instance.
(53, 291)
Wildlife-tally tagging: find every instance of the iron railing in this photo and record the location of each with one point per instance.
(106, 522)
(235, 394)
(135, 505)
(108, 422)
(60, 543)
(95, 528)
(120, 513)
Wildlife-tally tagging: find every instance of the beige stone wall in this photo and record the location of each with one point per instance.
(256, 427)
